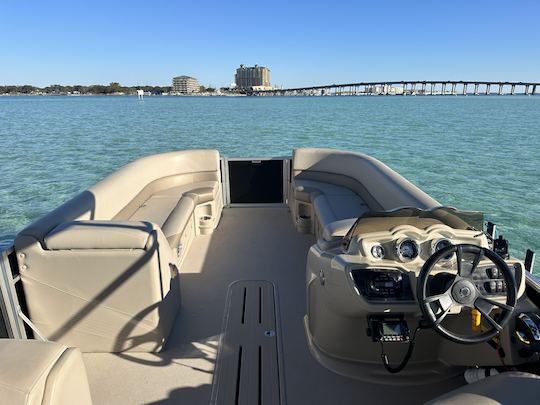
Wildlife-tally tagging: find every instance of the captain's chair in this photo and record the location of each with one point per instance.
(42, 373)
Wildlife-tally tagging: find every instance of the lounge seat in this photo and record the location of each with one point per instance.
(511, 388)
(333, 188)
(172, 209)
(106, 263)
(42, 373)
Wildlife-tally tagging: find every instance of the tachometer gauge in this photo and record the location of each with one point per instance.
(441, 244)
(408, 250)
(377, 252)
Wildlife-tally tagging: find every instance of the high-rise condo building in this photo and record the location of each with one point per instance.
(249, 77)
(185, 85)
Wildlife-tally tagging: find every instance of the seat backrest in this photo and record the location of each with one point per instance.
(108, 197)
(42, 373)
(378, 185)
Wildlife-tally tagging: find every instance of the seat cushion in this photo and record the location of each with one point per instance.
(156, 209)
(505, 388)
(35, 372)
(340, 210)
(171, 209)
(307, 190)
(159, 208)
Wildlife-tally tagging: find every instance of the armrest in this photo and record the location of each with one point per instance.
(99, 235)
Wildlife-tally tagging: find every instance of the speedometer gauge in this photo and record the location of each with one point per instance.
(408, 250)
(441, 244)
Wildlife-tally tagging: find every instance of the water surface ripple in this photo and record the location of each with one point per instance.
(478, 153)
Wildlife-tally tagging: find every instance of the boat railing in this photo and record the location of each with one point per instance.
(12, 316)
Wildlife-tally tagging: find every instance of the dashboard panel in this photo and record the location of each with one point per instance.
(383, 266)
(409, 246)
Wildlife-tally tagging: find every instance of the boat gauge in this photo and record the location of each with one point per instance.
(408, 250)
(441, 244)
(377, 251)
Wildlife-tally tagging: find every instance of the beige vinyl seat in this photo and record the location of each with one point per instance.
(101, 271)
(334, 207)
(42, 373)
(331, 188)
(511, 388)
(171, 209)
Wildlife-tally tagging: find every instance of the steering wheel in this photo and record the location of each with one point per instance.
(464, 293)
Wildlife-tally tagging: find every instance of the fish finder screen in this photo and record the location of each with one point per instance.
(391, 329)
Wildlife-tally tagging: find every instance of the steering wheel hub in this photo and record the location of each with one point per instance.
(464, 292)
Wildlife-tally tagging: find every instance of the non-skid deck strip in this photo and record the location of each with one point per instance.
(247, 370)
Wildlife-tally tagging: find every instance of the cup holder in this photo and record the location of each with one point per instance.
(304, 223)
(206, 224)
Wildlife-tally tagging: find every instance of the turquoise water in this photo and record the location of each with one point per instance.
(478, 153)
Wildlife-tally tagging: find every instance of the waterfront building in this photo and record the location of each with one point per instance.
(185, 85)
(248, 77)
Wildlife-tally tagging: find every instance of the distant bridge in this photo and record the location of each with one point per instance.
(425, 88)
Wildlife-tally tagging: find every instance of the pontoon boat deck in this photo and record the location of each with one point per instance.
(325, 278)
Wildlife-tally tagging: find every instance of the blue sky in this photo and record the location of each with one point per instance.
(302, 42)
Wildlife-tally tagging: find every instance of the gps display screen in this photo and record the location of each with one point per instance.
(391, 329)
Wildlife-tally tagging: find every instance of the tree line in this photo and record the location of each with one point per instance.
(112, 88)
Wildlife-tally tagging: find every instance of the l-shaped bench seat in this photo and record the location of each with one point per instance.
(101, 271)
(335, 207)
(173, 208)
(330, 189)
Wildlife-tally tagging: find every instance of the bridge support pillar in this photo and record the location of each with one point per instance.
(424, 89)
(526, 89)
(476, 85)
(513, 89)
(432, 89)
(443, 89)
(453, 89)
(533, 90)
(488, 89)
(501, 86)
(464, 89)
